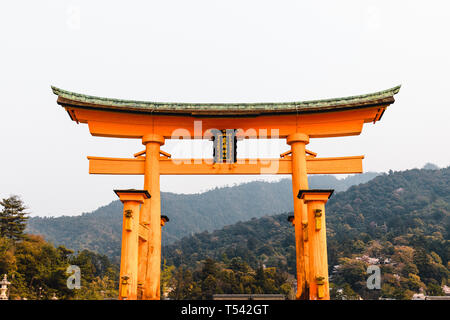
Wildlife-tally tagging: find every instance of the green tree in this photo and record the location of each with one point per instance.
(99, 288)
(166, 278)
(345, 293)
(39, 270)
(414, 283)
(13, 218)
(209, 268)
(434, 289)
(209, 287)
(7, 258)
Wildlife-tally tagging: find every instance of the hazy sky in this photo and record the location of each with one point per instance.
(212, 51)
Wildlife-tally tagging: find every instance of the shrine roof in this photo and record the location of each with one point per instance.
(72, 99)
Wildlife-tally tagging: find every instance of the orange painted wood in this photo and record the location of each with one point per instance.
(130, 242)
(140, 153)
(143, 232)
(300, 181)
(132, 166)
(84, 115)
(316, 125)
(274, 130)
(335, 165)
(150, 259)
(309, 152)
(317, 239)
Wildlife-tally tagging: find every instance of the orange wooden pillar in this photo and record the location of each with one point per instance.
(150, 251)
(164, 219)
(298, 141)
(132, 200)
(317, 237)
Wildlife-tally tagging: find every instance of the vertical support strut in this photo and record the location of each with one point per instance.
(315, 201)
(298, 141)
(164, 220)
(150, 251)
(132, 200)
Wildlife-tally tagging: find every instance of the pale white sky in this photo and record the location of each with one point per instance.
(211, 51)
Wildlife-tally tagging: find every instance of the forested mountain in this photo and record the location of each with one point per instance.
(100, 230)
(399, 221)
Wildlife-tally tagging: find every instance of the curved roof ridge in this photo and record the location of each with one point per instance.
(135, 105)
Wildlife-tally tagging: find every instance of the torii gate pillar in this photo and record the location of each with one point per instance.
(298, 141)
(150, 251)
(132, 200)
(318, 260)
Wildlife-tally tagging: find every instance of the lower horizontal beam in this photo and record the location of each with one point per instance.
(132, 166)
(335, 165)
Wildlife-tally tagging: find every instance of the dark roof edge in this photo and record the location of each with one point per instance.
(308, 106)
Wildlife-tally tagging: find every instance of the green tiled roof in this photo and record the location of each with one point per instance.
(67, 98)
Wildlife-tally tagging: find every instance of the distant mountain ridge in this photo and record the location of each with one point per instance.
(100, 230)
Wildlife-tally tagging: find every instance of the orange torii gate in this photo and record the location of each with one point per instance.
(154, 122)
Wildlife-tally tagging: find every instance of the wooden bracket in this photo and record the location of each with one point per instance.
(318, 218)
(309, 152)
(289, 152)
(128, 217)
(142, 153)
(285, 154)
(320, 287)
(165, 154)
(124, 288)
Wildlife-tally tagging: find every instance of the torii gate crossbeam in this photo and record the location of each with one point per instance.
(131, 166)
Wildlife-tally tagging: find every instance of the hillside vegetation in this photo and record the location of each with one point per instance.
(37, 270)
(100, 230)
(399, 221)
